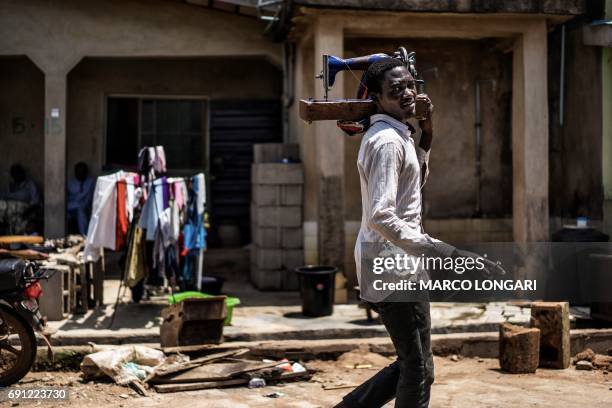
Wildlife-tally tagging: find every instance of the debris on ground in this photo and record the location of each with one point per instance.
(257, 383)
(584, 365)
(124, 365)
(141, 367)
(274, 395)
(588, 357)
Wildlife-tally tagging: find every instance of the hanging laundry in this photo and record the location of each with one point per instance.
(156, 203)
(122, 217)
(193, 231)
(172, 263)
(136, 267)
(159, 163)
(200, 189)
(148, 218)
(102, 225)
(145, 164)
(180, 192)
(133, 194)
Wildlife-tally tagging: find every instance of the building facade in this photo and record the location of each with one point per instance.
(93, 82)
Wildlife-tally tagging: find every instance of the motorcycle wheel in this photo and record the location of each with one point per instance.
(17, 347)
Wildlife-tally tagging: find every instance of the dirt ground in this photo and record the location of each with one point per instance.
(459, 384)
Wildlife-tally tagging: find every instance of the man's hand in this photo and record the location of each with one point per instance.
(490, 269)
(426, 124)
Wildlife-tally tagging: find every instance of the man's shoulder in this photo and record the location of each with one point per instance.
(381, 133)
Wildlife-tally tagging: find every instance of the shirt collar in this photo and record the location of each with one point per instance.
(403, 128)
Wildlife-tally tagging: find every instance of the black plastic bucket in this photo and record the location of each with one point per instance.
(317, 288)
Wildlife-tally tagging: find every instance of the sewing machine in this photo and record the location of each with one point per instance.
(351, 110)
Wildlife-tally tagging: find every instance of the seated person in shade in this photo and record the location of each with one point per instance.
(22, 187)
(80, 195)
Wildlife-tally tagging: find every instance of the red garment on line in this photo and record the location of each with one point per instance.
(122, 218)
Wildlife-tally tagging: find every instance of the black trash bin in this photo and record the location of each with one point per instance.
(317, 288)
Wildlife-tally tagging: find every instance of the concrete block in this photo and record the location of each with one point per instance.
(269, 258)
(275, 152)
(266, 258)
(276, 216)
(292, 258)
(277, 173)
(277, 237)
(277, 194)
(55, 300)
(519, 348)
(274, 279)
(267, 279)
(552, 318)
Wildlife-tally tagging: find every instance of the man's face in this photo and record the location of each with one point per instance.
(398, 95)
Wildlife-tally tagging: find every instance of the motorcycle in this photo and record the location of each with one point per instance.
(20, 317)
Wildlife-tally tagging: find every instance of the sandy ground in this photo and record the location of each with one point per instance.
(459, 384)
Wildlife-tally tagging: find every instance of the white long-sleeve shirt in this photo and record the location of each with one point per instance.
(390, 170)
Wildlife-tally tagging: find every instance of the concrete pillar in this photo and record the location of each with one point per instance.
(328, 36)
(55, 154)
(530, 136)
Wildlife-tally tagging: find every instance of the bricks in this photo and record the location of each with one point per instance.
(268, 258)
(278, 237)
(274, 279)
(277, 173)
(276, 217)
(519, 348)
(275, 152)
(552, 318)
(280, 194)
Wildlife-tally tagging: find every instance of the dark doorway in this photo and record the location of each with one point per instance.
(235, 126)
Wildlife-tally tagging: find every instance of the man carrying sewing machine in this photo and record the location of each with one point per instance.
(392, 170)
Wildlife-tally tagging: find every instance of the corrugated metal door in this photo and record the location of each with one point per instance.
(234, 127)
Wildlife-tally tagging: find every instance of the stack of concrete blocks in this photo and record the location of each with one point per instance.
(276, 217)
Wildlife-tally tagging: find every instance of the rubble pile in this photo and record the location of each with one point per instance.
(589, 360)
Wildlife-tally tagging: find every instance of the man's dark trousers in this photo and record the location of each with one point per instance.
(409, 378)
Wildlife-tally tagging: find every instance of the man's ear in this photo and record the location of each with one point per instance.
(375, 97)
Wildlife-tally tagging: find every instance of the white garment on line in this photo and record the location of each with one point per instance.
(201, 195)
(102, 225)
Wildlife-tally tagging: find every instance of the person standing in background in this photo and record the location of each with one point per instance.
(80, 196)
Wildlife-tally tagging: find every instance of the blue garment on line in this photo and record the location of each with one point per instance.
(194, 232)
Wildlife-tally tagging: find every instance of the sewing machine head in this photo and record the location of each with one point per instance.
(332, 65)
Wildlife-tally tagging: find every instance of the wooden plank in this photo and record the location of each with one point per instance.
(20, 239)
(214, 372)
(199, 385)
(178, 367)
(200, 348)
(336, 109)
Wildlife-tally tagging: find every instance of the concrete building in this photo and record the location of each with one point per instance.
(80, 79)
